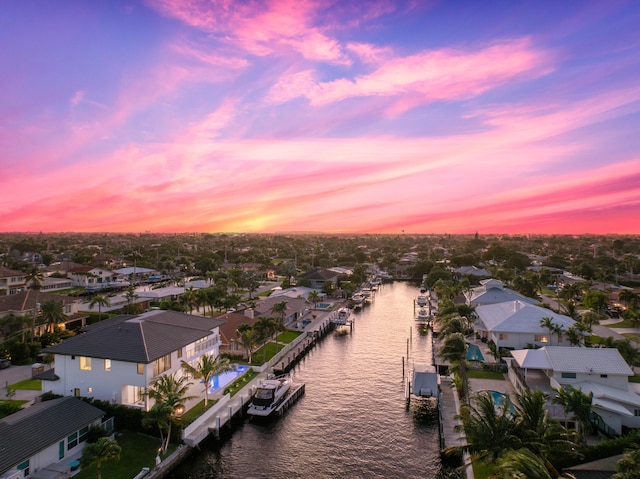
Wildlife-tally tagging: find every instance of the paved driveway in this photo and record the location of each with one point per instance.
(12, 375)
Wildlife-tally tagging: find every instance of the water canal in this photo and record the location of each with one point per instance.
(352, 420)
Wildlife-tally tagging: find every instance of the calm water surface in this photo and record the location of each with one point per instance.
(352, 420)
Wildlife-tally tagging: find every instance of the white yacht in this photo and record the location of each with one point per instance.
(269, 395)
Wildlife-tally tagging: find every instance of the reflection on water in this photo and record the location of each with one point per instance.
(353, 420)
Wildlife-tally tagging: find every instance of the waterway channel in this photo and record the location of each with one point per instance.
(352, 420)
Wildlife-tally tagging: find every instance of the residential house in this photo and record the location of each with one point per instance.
(296, 308)
(90, 278)
(12, 281)
(317, 277)
(516, 325)
(471, 271)
(601, 371)
(31, 257)
(493, 291)
(295, 292)
(230, 342)
(28, 303)
(136, 274)
(117, 359)
(38, 441)
(55, 284)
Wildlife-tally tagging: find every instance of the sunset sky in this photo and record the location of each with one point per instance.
(320, 116)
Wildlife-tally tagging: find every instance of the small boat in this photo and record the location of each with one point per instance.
(422, 300)
(343, 314)
(423, 315)
(357, 299)
(269, 395)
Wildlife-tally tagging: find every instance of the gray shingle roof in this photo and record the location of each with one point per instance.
(37, 427)
(141, 339)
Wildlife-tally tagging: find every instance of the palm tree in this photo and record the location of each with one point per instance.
(574, 401)
(538, 432)
(189, 298)
(280, 310)
(547, 322)
(207, 367)
(628, 467)
(454, 350)
(314, 296)
(52, 314)
(104, 449)
(559, 330)
(100, 300)
(574, 335)
(34, 278)
(130, 295)
(490, 431)
(248, 338)
(522, 463)
(265, 328)
(169, 395)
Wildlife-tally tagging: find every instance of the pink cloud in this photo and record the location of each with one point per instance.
(260, 28)
(435, 75)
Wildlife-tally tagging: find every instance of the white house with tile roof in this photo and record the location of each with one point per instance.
(601, 371)
(516, 324)
(116, 359)
(38, 441)
(493, 291)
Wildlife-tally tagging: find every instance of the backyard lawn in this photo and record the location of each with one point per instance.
(138, 451)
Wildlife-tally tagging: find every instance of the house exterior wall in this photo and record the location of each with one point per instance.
(120, 384)
(521, 340)
(617, 381)
(51, 454)
(12, 282)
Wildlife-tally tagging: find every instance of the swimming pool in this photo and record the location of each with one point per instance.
(499, 399)
(220, 381)
(474, 353)
(322, 305)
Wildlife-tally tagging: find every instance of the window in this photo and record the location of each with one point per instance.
(636, 412)
(568, 375)
(140, 368)
(84, 432)
(179, 353)
(161, 365)
(72, 441)
(503, 336)
(107, 364)
(85, 363)
(541, 338)
(604, 375)
(24, 467)
(138, 394)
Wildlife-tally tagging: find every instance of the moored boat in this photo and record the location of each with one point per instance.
(423, 315)
(269, 395)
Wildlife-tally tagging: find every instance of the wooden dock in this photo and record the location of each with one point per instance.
(293, 396)
(449, 408)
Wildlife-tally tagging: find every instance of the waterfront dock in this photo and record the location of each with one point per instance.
(449, 407)
(293, 396)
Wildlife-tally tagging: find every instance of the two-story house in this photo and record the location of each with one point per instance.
(117, 359)
(90, 277)
(601, 371)
(11, 281)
